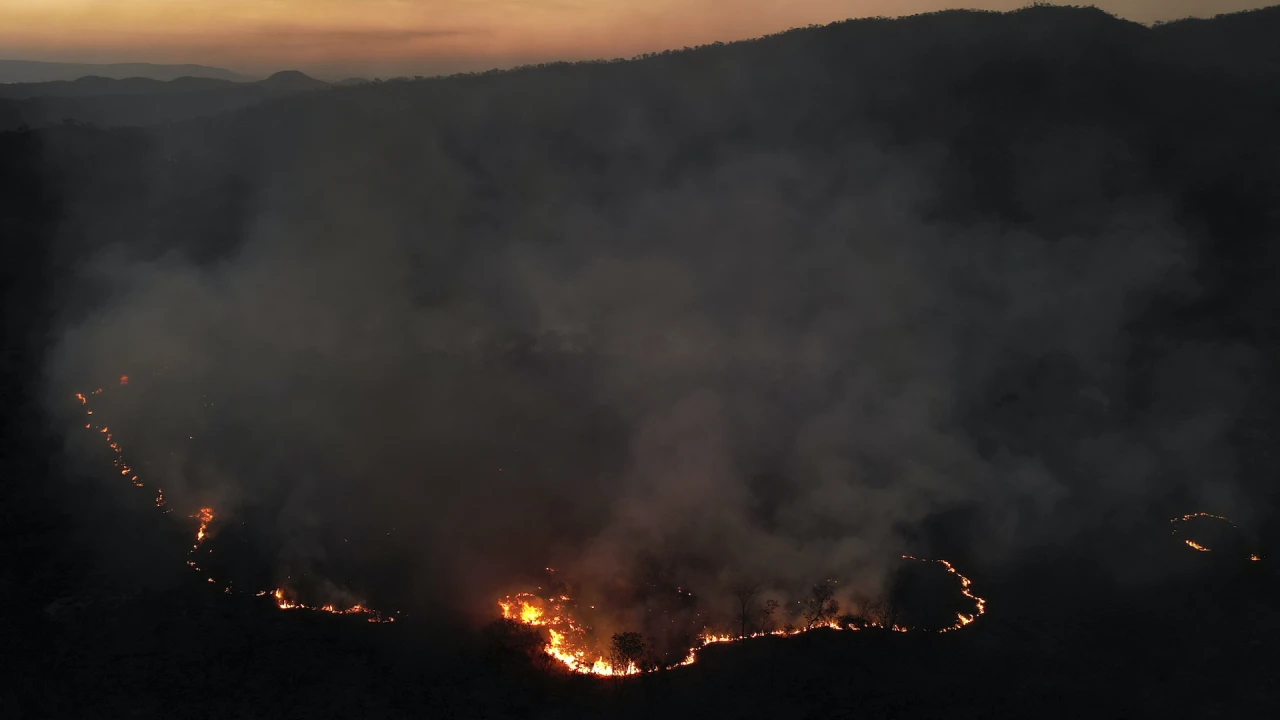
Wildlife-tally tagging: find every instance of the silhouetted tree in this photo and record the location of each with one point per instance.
(626, 649)
(820, 607)
(745, 593)
(766, 615)
(508, 640)
(885, 612)
(852, 620)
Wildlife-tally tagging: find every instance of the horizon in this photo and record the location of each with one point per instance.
(442, 37)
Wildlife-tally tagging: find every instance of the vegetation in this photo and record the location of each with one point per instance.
(821, 607)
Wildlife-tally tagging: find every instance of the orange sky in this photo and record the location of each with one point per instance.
(369, 37)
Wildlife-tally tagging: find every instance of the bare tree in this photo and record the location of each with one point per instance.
(885, 612)
(745, 593)
(820, 607)
(766, 615)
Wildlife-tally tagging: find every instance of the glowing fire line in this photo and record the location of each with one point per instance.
(1253, 557)
(205, 516)
(566, 635)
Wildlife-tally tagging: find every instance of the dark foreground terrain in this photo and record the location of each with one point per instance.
(1062, 640)
(1050, 124)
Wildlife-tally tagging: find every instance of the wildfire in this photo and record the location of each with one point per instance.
(567, 639)
(284, 603)
(569, 643)
(206, 516)
(1198, 547)
(1193, 516)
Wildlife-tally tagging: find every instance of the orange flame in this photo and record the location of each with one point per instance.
(206, 517)
(1253, 557)
(568, 642)
(284, 603)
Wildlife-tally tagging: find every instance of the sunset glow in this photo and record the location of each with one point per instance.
(337, 37)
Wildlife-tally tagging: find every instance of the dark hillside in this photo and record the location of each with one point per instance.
(1032, 251)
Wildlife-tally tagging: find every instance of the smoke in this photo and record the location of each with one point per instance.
(774, 365)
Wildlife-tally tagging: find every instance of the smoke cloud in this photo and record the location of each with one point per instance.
(770, 364)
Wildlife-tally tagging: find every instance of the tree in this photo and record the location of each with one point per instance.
(820, 607)
(885, 612)
(509, 640)
(852, 620)
(625, 651)
(745, 593)
(766, 615)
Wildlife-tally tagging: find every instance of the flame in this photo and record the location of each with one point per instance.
(206, 517)
(1253, 557)
(567, 638)
(1193, 516)
(284, 603)
(568, 641)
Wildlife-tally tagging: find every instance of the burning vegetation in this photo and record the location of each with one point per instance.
(1203, 523)
(204, 518)
(568, 633)
(569, 639)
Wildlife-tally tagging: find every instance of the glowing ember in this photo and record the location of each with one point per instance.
(569, 642)
(1193, 516)
(284, 603)
(205, 516)
(1199, 547)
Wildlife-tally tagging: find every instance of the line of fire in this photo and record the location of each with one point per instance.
(563, 626)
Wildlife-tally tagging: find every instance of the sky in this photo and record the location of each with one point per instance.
(427, 37)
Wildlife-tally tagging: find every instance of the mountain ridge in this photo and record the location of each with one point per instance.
(28, 71)
(97, 85)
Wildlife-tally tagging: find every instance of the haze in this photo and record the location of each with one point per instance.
(335, 38)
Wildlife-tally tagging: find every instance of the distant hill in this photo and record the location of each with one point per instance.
(292, 80)
(95, 86)
(33, 71)
(139, 101)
